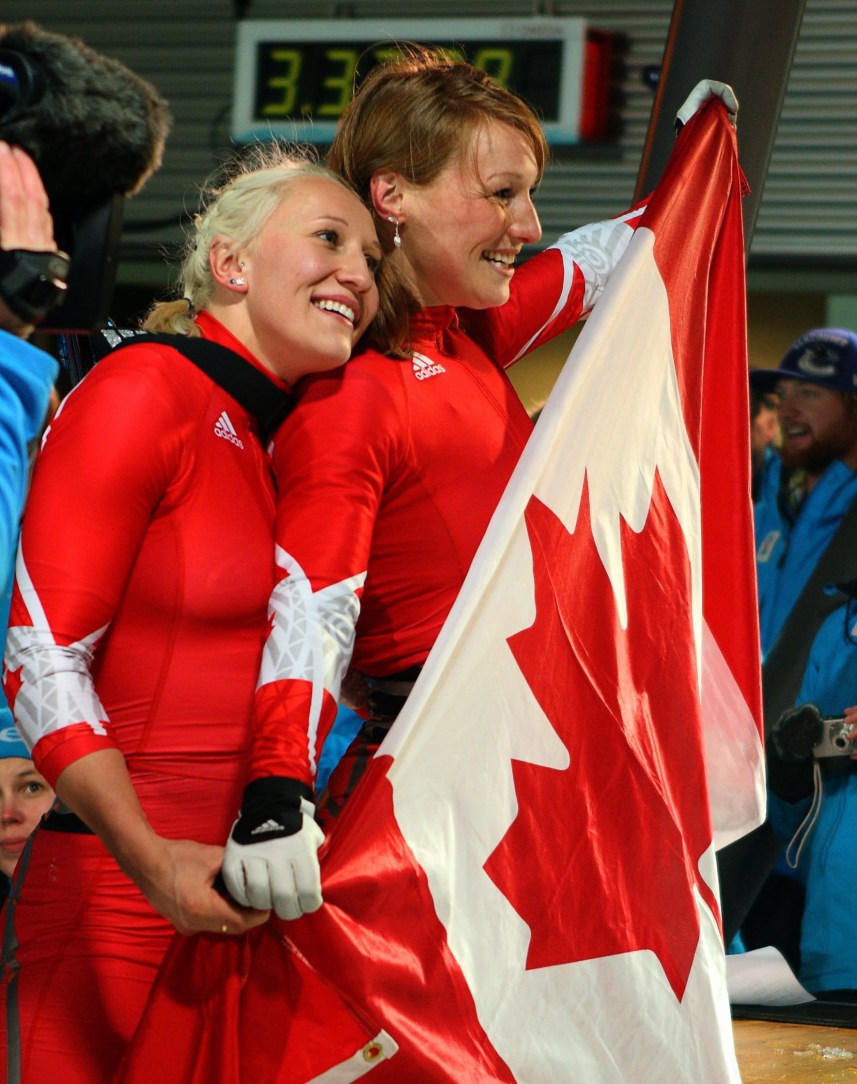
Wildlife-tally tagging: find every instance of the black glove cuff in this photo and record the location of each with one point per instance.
(275, 789)
(32, 283)
(271, 809)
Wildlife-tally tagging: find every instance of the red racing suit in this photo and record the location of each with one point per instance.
(138, 620)
(388, 473)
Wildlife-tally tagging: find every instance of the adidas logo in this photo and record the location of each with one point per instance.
(424, 367)
(223, 427)
(268, 826)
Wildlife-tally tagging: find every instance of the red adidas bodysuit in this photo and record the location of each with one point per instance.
(388, 473)
(138, 619)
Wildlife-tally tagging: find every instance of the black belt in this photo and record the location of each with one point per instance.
(63, 820)
(388, 695)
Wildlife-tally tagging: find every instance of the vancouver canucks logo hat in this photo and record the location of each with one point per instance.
(825, 356)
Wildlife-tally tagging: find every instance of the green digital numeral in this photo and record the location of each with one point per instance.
(342, 82)
(285, 85)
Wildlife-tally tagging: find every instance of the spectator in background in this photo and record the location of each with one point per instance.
(764, 434)
(806, 539)
(25, 797)
(814, 480)
(821, 851)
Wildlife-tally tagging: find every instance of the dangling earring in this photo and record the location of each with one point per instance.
(397, 240)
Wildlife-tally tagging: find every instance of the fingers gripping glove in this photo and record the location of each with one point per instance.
(789, 747)
(271, 858)
(707, 88)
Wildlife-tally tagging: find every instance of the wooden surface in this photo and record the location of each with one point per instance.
(773, 1053)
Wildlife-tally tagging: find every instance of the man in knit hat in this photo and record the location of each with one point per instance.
(813, 482)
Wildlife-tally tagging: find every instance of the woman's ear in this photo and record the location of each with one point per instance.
(226, 265)
(385, 189)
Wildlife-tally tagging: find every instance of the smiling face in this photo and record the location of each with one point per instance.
(818, 425)
(462, 233)
(303, 292)
(24, 797)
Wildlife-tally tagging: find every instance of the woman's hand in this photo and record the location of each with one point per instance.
(705, 89)
(180, 885)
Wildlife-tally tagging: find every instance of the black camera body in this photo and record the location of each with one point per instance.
(834, 740)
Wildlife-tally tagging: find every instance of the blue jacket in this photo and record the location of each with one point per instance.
(787, 552)
(828, 861)
(27, 376)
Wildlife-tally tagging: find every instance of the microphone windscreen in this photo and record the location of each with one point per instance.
(95, 129)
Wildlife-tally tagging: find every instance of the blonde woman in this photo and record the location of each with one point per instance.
(139, 611)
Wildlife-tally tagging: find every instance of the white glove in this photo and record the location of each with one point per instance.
(707, 88)
(266, 868)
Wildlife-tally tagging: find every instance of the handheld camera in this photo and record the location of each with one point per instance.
(834, 740)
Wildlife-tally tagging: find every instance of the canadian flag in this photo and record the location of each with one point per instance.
(524, 887)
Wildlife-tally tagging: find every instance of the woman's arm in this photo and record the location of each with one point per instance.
(557, 287)
(107, 462)
(332, 459)
(175, 875)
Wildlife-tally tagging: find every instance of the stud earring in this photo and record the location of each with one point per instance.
(237, 282)
(397, 240)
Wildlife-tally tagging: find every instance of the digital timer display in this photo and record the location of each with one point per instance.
(294, 78)
(316, 79)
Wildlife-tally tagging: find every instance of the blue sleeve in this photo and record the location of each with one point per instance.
(27, 376)
(829, 682)
(830, 677)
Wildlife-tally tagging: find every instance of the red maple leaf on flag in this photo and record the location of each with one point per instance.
(624, 704)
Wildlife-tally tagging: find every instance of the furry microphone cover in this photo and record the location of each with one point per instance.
(94, 128)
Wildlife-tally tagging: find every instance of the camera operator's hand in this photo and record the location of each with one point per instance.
(25, 221)
(789, 752)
